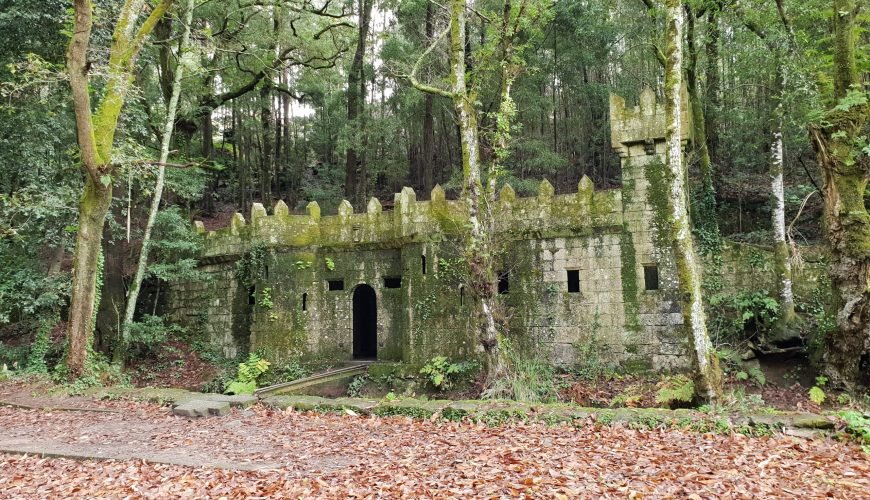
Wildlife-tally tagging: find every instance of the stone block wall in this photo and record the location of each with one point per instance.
(410, 256)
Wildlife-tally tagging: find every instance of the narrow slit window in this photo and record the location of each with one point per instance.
(423, 263)
(461, 295)
(252, 296)
(504, 285)
(573, 281)
(393, 282)
(304, 301)
(335, 285)
(651, 277)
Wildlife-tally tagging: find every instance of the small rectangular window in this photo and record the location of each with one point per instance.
(393, 282)
(335, 285)
(651, 277)
(423, 263)
(504, 285)
(573, 281)
(304, 301)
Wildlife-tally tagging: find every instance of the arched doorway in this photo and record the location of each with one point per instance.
(365, 323)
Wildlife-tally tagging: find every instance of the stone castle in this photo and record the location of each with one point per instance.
(580, 269)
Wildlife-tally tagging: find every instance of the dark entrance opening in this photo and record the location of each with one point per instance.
(365, 323)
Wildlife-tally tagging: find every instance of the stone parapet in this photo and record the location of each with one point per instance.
(545, 215)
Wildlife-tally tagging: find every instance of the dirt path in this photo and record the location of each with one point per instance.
(264, 452)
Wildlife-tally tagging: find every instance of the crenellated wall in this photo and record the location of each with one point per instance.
(409, 256)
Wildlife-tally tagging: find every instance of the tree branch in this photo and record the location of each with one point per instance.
(146, 28)
(412, 78)
(657, 51)
(77, 67)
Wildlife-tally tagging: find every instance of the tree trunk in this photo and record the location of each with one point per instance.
(266, 156)
(782, 263)
(171, 108)
(706, 217)
(428, 121)
(478, 249)
(713, 101)
(95, 136)
(708, 379)
(847, 223)
(93, 207)
(354, 180)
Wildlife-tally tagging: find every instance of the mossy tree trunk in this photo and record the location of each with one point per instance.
(96, 133)
(782, 254)
(707, 221)
(847, 223)
(478, 247)
(479, 252)
(708, 374)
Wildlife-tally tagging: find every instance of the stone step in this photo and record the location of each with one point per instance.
(236, 401)
(202, 408)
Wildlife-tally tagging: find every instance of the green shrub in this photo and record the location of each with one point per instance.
(748, 312)
(442, 374)
(13, 357)
(354, 389)
(248, 375)
(149, 334)
(817, 394)
(675, 390)
(858, 425)
(525, 378)
(287, 371)
(36, 362)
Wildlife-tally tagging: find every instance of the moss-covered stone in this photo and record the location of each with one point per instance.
(412, 258)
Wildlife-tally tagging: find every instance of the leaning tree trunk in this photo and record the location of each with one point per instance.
(846, 220)
(171, 108)
(689, 278)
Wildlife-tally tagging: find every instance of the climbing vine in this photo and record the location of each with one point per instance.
(251, 266)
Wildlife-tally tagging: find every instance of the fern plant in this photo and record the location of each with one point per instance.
(248, 375)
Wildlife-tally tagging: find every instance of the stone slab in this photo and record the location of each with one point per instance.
(300, 403)
(236, 401)
(202, 408)
(359, 405)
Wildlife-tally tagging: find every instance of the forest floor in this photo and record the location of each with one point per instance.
(260, 451)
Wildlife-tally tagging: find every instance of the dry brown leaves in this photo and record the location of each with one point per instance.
(260, 452)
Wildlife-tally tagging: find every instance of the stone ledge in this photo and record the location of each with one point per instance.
(497, 412)
(202, 408)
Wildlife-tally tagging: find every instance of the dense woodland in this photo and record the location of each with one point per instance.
(122, 121)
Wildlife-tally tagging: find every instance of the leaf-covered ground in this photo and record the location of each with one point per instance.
(259, 452)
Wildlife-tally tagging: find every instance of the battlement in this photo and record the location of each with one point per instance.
(645, 123)
(544, 215)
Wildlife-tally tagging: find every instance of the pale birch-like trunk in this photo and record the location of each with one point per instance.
(708, 379)
(478, 248)
(169, 125)
(782, 263)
